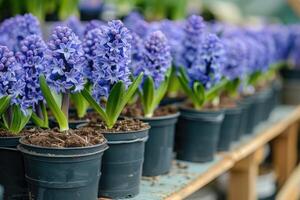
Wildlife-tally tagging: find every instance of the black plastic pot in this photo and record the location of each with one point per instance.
(122, 164)
(291, 86)
(12, 175)
(260, 99)
(243, 121)
(266, 96)
(62, 173)
(276, 88)
(159, 147)
(197, 134)
(1, 192)
(172, 100)
(248, 119)
(229, 128)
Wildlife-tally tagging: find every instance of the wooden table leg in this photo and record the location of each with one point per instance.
(242, 181)
(285, 153)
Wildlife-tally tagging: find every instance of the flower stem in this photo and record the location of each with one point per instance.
(38, 110)
(65, 104)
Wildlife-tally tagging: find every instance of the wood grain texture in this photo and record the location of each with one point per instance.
(290, 189)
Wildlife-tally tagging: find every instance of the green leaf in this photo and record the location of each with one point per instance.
(114, 102)
(4, 103)
(199, 92)
(161, 91)
(114, 98)
(95, 105)
(215, 91)
(55, 109)
(43, 123)
(148, 95)
(15, 122)
(80, 103)
(132, 89)
(183, 79)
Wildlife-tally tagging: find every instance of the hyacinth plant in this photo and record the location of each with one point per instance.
(200, 63)
(236, 63)
(31, 58)
(110, 73)
(154, 61)
(79, 102)
(63, 73)
(11, 87)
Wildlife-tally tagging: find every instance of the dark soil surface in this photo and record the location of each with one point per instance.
(26, 131)
(81, 137)
(206, 107)
(227, 102)
(136, 111)
(123, 125)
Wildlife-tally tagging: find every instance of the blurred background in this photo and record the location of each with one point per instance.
(234, 11)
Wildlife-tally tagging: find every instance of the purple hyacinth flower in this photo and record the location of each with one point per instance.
(173, 30)
(11, 79)
(137, 47)
(190, 43)
(209, 62)
(75, 24)
(65, 61)
(155, 58)
(236, 58)
(15, 29)
(93, 24)
(135, 23)
(112, 58)
(31, 58)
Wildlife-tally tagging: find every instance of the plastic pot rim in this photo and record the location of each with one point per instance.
(58, 148)
(127, 132)
(159, 117)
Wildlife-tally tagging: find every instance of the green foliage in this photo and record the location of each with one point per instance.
(232, 87)
(60, 117)
(174, 85)
(117, 100)
(67, 8)
(151, 97)
(197, 93)
(80, 104)
(41, 121)
(14, 119)
(4, 103)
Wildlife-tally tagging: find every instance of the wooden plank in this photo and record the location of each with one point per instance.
(202, 179)
(290, 189)
(285, 153)
(265, 134)
(242, 179)
(180, 183)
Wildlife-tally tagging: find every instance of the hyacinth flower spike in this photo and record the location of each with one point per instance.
(12, 85)
(31, 59)
(110, 73)
(91, 38)
(200, 62)
(155, 63)
(16, 29)
(7, 60)
(63, 73)
(236, 62)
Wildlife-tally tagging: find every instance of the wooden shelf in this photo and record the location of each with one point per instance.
(185, 177)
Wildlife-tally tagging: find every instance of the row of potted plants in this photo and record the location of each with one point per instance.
(226, 74)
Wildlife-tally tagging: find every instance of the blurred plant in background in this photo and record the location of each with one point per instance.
(43, 9)
(234, 11)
